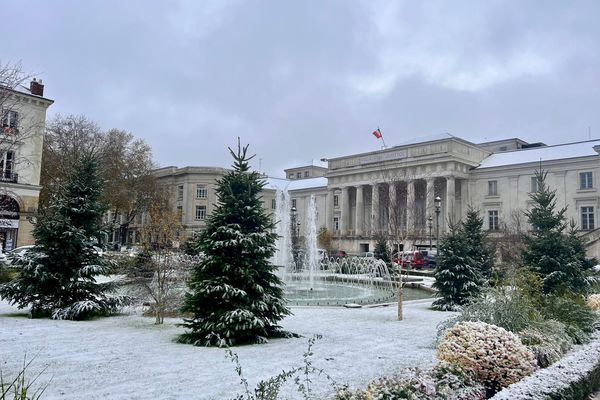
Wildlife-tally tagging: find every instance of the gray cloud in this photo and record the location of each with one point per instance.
(304, 80)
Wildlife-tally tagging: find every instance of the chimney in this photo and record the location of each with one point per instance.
(36, 87)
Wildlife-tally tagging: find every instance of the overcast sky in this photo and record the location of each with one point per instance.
(302, 80)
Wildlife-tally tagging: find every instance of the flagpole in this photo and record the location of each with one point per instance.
(382, 139)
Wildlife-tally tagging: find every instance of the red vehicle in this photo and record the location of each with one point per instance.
(410, 259)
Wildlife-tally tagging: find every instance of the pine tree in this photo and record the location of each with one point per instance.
(548, 251)
(381, 251)
(234, 295)
(457, 279)
(57, 277)
(478, 246)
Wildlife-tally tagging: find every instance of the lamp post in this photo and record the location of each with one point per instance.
(438, 206)
(429, 225)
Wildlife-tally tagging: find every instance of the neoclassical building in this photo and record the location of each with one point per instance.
(22, 125)
(416, 189)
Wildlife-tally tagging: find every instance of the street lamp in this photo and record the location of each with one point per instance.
(438, 205)
(429, 225)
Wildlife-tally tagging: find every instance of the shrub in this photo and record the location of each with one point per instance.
(548, 342)
(572, 311)
(445, 381)
(593, 302)
(505, 307)
(495, 356)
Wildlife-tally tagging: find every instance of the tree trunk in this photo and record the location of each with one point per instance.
(400, 298)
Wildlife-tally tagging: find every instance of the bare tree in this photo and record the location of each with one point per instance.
(158, 234)
(128, 172)
(125, 163)
(401, 219)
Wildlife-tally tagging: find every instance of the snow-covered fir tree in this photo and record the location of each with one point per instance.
(234, 295)
(381, 251)
(549, 252)
(57, 277)
(457, 279)
(478, 246)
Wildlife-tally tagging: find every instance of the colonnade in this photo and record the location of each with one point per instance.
(367, 209)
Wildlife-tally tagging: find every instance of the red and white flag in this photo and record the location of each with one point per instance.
(377, 133)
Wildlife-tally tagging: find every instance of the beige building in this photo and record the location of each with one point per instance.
(394, 190)
(23, 120)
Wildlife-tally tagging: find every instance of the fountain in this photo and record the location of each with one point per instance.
(328, 281)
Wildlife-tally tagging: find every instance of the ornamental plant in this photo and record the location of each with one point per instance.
(496, 357)
(593, 302)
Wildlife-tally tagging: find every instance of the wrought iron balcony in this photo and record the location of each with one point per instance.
(8, 176)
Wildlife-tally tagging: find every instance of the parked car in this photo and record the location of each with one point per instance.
(337, 254)
(368, 254)
(410, 259)
(430, 258)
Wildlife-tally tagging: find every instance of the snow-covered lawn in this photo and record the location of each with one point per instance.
(128, 357)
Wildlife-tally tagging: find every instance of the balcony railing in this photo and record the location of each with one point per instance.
(8, 176)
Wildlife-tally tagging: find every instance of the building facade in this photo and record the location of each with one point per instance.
(23, 121)
(414, 191)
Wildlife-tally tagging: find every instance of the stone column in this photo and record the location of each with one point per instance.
(360, 211)
(450, 199)
(464, 197)
(392, 208)
(345, 211)
(375, 209)
(329, 210)
(429, 198)
(410, 206)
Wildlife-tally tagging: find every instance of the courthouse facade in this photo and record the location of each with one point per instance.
(417, 188)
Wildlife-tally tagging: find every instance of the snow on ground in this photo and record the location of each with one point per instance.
(128, 357)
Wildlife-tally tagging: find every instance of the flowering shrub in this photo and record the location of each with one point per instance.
(445, 381)
(593, 301)
(496, 357)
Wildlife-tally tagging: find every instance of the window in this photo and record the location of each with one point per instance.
(306, 174)
(180, 192)
(180, 213)
(299, 175)
(492, 188)
(6, 167)
(10, 121)
(200, 213)
(291, 176)
(585, 180)
(493, 220)
(273, 204)
(336, 224)
(336, 200)
(200, 191)
(587, 218)
(535, 184)
(293, 202)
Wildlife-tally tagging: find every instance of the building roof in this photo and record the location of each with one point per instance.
(295, 184)
(537, 154)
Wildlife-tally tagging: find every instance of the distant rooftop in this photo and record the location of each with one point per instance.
(537, 154)
(295, 184)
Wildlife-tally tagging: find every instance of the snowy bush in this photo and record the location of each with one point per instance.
(548, 342)
(496, 357)
(572, 311)
(505, 307)
(593, 302)
(445, 381)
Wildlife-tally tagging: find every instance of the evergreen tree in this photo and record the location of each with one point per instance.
(478, 246)
(234, 295)
(57, 277)
(548, 251)
(457, 279)
(381, 251)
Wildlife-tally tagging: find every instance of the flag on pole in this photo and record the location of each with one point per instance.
(377, 133)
